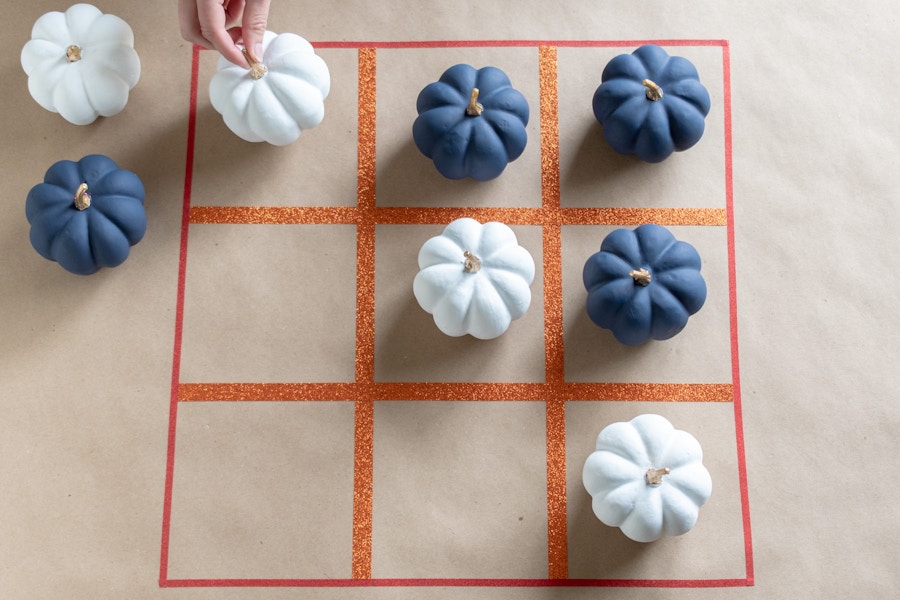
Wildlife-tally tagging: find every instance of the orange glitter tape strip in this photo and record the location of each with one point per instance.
(364, 429)
(557, 523)
(478, 392)
(279, 215)
(399, 215)
(639, 216)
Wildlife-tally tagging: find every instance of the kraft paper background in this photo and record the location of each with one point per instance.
(86, 363)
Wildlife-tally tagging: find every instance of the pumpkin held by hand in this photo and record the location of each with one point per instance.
(282, 95)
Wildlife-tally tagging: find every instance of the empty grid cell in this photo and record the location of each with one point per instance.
(408, 178)
(700, 353)
(263, 489)
(408, 345)
(459, 490)
(593, 175)
(282, 175)
(270, 303)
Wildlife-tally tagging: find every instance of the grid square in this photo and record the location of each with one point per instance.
(592, 174)
(426, 454)
(410, 348)
(711, 550)
(700, 353)
(217, 181)
(263, 490)
(405, 176)
(237, 279)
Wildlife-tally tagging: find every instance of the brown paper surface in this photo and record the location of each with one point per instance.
(262, 410)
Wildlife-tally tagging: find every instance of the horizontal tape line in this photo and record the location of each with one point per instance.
(390, 215)
(508, 392)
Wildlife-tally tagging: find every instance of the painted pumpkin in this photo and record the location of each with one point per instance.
(643, 284)
(279, 97)
(474, 279)
(81, 63)
(471, 122)
(87, 214)
(647, 478)
(651, 104)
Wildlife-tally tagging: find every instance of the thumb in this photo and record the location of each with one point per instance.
(253, 25)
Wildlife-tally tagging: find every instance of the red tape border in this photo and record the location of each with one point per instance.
(362, 574)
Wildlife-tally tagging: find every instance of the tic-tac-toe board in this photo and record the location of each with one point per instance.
(323, 432)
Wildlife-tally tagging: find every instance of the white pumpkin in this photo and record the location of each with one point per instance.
(81, 63)
(283, 94)
(475, 279)
(647, 478)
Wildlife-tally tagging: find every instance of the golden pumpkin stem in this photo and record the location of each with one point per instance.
(474, 109)
(73, 53)
(472, 264)
(641, 276)
(654, 92)
(82, 198)
(257, 69)
(654, 476)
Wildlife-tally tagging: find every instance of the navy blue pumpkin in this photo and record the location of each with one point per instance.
(651, 104)
(643, 284)
(87, 214)
(471, 122)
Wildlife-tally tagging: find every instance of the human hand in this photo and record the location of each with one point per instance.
(220, 24)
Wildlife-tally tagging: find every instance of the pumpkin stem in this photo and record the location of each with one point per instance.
(257, 69)
(474, 109)
(73, 53)
(472, 264)
(654, 476)
(641, 276)
(654, 92)
(82, 198)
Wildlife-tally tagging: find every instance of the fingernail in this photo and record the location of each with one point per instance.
(258, 51)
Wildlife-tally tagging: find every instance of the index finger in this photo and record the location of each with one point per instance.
(212, 26)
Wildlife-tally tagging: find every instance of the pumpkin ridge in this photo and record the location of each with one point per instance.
(514, 145)
(698, 99)
(645, 522)
(278, 85)
(107, 242)
(126, 213)
(686, 285)
(108, 25)
(70, 246)
(46, 225)
(474, 164)
(636, 312)
(98, 79)
(504, 288)
(274, 125)
(71, 99)
(636, 104)
(669, 315)
(479, 308)
(648, 236)
(686, 122)
(613, 504)
(79, 23)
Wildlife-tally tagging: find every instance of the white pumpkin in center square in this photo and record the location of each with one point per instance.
(474, 279)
